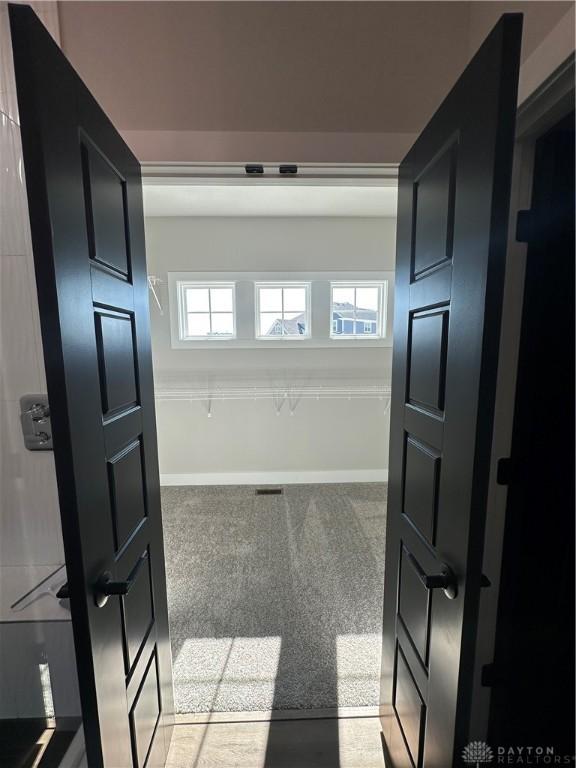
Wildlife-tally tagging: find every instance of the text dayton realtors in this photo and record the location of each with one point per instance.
(531, 756)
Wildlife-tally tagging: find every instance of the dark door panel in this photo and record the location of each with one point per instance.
(85, 197)
(452, 226)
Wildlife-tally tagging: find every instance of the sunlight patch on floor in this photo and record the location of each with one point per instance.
(355, 663)
(218, 665)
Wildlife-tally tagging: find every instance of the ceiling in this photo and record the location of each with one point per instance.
(280, 66)
(330, 82)
(180, 199)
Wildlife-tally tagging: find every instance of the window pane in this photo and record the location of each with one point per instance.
(367, 298)
(221, 299)
(198, 325)
(294, 299)
(270, 299)
(197, 299)
(295, 324)
(343, 296)
(270, 324)
(223, 323)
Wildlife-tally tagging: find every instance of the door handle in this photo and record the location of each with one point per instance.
(445, 580)
(64, 592)
(106, 587)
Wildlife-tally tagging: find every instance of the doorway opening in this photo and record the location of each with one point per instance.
(271, 320)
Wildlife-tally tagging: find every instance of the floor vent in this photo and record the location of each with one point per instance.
(269, 491)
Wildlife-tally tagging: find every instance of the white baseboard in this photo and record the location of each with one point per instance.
(277, 478)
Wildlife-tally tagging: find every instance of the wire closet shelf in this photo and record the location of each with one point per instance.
(278, 395)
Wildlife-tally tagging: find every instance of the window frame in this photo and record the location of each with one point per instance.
(382, 286)
(307, 285)
(182, 286)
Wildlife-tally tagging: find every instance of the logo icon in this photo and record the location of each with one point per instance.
(477, 752)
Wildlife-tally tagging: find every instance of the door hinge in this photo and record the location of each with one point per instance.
(35, 420)
(503, 471)
(524, 226)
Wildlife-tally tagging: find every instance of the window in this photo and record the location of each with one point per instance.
(356, 310)
(251, 310)
(282, 310)
(206, 311)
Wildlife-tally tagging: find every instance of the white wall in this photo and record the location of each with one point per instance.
(30, 531)
(340, 438)
(29, 513)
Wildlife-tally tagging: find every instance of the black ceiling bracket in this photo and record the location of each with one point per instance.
(254, 169)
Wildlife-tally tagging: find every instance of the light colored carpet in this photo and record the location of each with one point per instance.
(275, 602)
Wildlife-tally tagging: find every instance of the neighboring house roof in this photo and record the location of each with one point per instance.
(347, 310)
(296, 325)
(293, 327)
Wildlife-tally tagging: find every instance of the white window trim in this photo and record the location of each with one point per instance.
(301, 337)
(382, 286)
(182, 286)
(245, 313)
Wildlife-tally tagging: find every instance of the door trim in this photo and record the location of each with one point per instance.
(551, 101)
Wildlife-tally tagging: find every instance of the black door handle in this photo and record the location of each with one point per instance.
(445, 580)
(106, 587)
(64, 592)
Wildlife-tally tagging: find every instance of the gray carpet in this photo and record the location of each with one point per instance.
(275, 602)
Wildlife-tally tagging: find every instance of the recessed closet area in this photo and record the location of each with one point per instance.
(271, 315)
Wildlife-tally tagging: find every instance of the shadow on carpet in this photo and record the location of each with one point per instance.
(275, 602)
